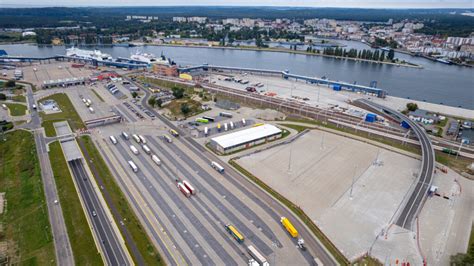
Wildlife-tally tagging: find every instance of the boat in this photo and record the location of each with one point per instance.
(444, 61)
(88, 54)
(150, 58)
(467, 124)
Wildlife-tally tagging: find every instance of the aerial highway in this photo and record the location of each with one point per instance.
(113, 251)
(425, 176)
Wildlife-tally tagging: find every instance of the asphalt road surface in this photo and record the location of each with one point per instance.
(108, 240)
(415, 202)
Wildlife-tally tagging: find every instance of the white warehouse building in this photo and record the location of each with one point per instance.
(245, 138)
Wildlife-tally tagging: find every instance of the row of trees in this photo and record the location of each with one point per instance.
(354, 53)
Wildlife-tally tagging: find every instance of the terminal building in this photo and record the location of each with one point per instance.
(245, 138)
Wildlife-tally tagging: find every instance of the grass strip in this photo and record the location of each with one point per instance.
(298, 211)
(67, 113)
(16, 109)
(98, 96)
(26, 228)
(148, 252)
(82, 242)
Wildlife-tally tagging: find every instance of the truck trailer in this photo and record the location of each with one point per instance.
(217, 166)
(133, 166)
(189, 187)
(289, 226)
(184, 190)
(134, 150)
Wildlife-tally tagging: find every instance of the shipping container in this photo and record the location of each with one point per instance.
(370, 117)
(233, 231)
(134, 150)
(184, 190)
(136, 138)
(217, 166)
(289, 226)
(113, 139)
(133, 166)
(125, 135)
(257, 255)
(156, 159)
(224, 114)
(142, 139)
(189, 187)
(146, 149)
(336, 87)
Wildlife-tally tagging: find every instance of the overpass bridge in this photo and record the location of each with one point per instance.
(416, 200)
(287, 75)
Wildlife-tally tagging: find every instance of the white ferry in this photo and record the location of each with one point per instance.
(88, 54)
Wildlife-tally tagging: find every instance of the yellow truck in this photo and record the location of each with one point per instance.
(289, 227)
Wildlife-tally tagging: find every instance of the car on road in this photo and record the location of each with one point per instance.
(94, 213)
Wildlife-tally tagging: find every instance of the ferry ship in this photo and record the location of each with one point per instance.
(88, 54)
(150, 58)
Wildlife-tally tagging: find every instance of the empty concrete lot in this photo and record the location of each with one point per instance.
(317, 171)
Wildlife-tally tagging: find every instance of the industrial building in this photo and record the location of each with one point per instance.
(47, 84)
(245, 138)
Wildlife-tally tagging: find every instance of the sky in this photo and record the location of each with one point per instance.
(298, 3)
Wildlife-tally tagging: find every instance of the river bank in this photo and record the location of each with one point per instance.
(280, 50)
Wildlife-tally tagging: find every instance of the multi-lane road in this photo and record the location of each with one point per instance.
(103, 227)
(415, 201)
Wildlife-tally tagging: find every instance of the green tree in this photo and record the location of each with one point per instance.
(159, 102)
(134, 94)
(152, 101)
(391, 55)
(412, 107)
(178, 92)
(185, 108)
(382, 56)
(3, 97)
(10, 84)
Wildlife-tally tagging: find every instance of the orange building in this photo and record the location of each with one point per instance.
(165, 70)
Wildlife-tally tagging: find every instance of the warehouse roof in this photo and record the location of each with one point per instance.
(246, 135)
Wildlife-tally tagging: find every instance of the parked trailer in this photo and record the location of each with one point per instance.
(84, 100)
(88, 104)
(243, 122)
(113, 139)
(210, 119)
(91, 110)
(136, 138)
(225, 114)
(231, 125)
(142, 139)
(156, 159)
(125, 135)
(189, 187)
(233, 231)
(206, 131)
(184, 190)
(218, 167)
(168, 138)
(257, 256)
(146, 149)
(225, 126)
(89, 101)
(133, 166)
(134, 150)
(289, 226)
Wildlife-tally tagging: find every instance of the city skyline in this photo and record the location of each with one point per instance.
(282, 3)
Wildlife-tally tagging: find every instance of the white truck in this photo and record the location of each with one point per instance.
(113, 140)
(134, 150)
(217, 166)
(146, 149)
(156, 159)
(136, 138)
(133, 166)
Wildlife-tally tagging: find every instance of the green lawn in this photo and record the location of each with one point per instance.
(16, 109)
(82, 243)
(25, 220)
(148, 252)
(67, 113)
(19, 98)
